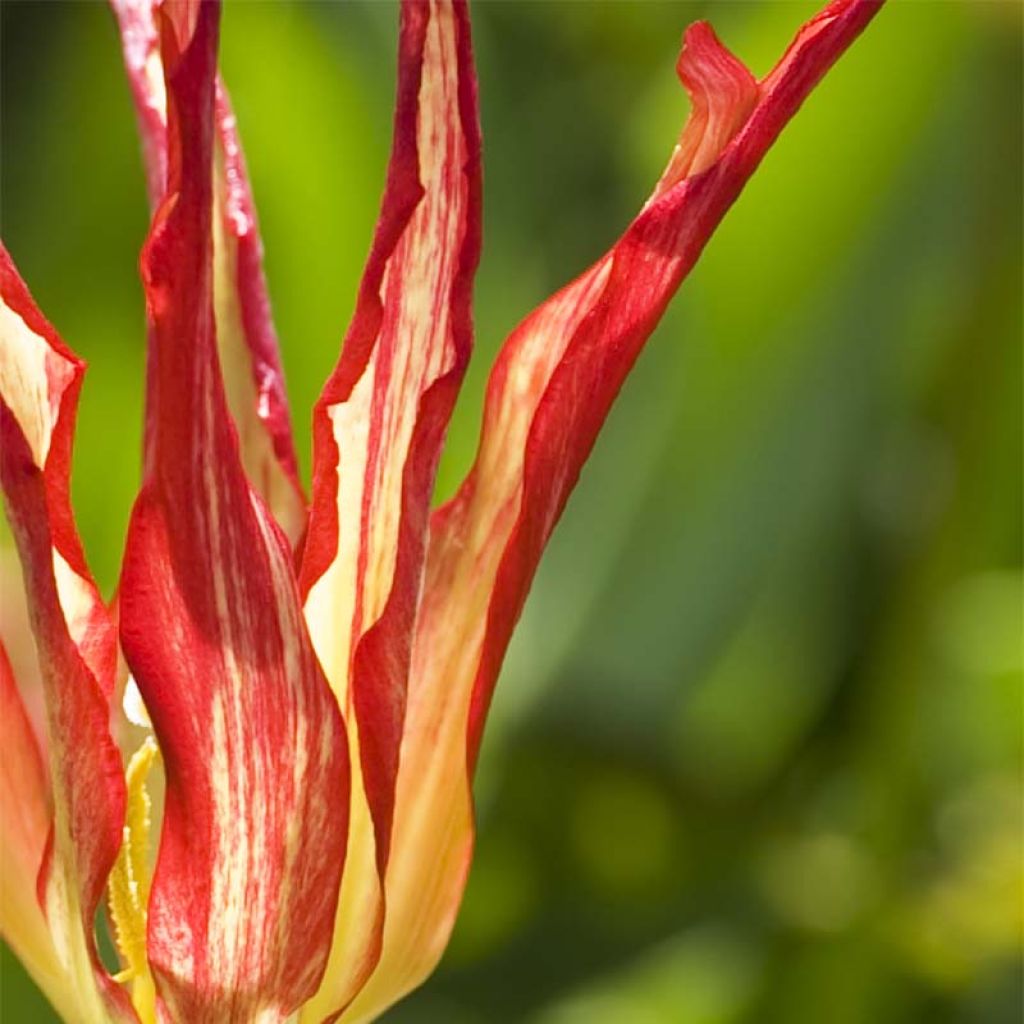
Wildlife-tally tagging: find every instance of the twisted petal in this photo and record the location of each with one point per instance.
(549, 393)
(378, 429)
(255, 820)
(246, 340)
(76, 643)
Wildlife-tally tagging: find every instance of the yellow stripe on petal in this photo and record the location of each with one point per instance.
(30, 376)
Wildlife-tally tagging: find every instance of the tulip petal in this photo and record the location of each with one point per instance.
(378, 429)
(255, 817)
(246, 340)
(549, 392)
(76, 643)
(24, 824)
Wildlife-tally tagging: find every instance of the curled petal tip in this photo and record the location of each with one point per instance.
(722, 94)
(706, 64)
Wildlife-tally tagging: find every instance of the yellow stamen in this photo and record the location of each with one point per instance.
(128, 886)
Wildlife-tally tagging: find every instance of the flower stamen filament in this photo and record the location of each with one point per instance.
(128, 886)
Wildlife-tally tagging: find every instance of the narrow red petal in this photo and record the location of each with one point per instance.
(578, 347)
(549, 393)
(255, 820)
(76, 642)
(246, 339)
(381, 419)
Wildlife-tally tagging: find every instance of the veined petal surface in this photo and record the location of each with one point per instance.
(246, 340)
(75, 641)
(548, 395)
(255, 817)
(378, 429)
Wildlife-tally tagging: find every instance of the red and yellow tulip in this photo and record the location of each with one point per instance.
(316, 675)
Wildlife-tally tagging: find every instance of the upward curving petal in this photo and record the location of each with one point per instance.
(378, 429)
(246, 340)
(76, 644)
(255, 820)
(549, 392)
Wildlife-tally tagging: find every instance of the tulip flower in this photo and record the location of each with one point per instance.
(316, 674)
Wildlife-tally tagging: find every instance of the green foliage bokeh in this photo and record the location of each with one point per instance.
(755, 753)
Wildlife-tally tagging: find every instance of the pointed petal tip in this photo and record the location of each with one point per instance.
(722, 92)
(705, 61)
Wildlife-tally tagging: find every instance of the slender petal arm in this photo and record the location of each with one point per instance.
(246, 340)
(246, 882)
(549, 393)
(378, 429)
(576, 350)
(76, 644)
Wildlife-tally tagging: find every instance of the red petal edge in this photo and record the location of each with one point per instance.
(255, 820)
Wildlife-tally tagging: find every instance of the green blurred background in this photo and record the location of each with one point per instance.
(755, 755)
